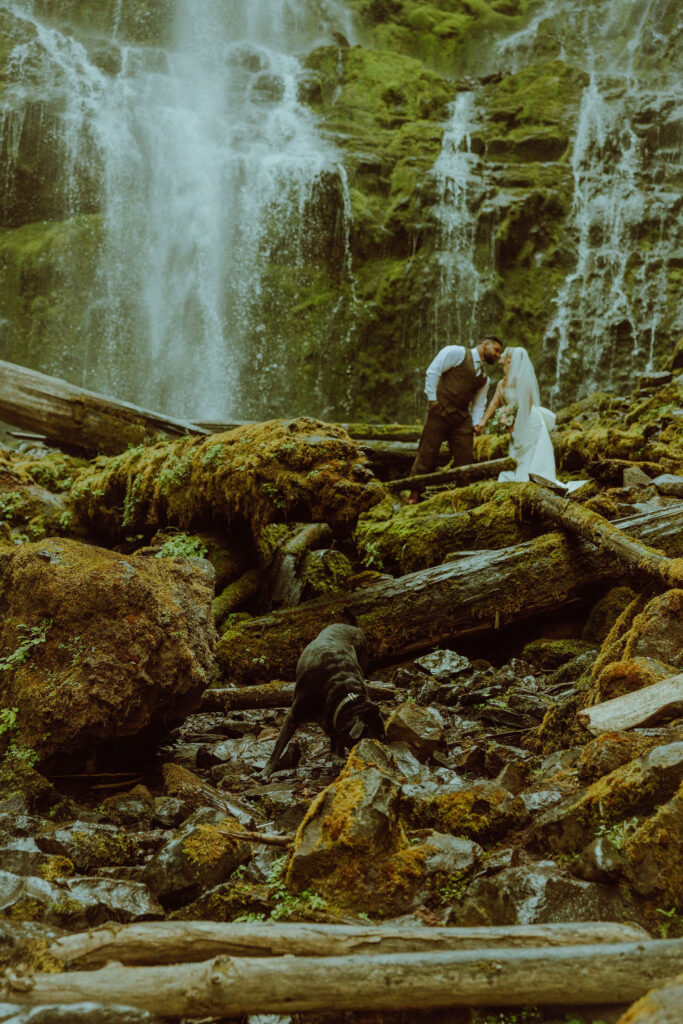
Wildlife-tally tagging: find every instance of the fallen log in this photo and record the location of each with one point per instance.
(580, 975)
(607, 536)
(271, 695)
(643, 707)
(460, 476)
(78, 419)
(413, 613)
(168, 942)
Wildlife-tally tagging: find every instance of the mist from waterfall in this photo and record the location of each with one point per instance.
(206, 162)
(627, 167)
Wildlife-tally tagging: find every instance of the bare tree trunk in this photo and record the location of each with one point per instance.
(644, 707)
(460, 476)
(404, 616)
(83, 420)
(580, 975)
(168, 942)
(606, 536)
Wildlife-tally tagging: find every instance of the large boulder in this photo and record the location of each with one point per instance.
(100, 650)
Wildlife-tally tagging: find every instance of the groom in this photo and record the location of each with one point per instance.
(455, 386)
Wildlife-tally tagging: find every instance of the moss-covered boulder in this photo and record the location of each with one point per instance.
(654, 855)
(622, 677)
(404, 538)
(300, 470)
(99, 649)
(483, 811)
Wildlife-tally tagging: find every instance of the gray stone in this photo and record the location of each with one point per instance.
(448, 854)
(201, 857)
(421, 728)
(600, 861)
(634, 476)
(538, 894)
(444, 665)
(22, 856)
(668, 483)
(89, 845)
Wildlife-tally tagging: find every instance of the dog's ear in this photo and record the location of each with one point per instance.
(357, 729)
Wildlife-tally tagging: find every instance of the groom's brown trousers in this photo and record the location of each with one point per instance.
(456, 428)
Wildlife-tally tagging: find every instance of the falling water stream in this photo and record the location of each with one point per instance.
(207, 160)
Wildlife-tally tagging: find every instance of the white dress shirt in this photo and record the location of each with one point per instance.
(448, 357)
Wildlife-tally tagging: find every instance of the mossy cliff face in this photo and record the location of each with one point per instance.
(476, 179)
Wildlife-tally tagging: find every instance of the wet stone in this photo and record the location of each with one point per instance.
(169, 811)
(421, 728)
(90, 845)
(22, 856)
(670, 484)
(538, 894)
(444, 665)
(448, 854)
(201, 857)
(600, 861)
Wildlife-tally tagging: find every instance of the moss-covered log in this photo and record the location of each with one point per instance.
(284, 470)
(74, 418)
(589, 525)
(414, 612)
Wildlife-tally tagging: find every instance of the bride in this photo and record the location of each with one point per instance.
(530, 442)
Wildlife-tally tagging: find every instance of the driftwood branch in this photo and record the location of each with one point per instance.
(79, 419)
(164, 942)
(270, 695)
(411, 614)
(643, 707)
(579, 975)
(460, 476)
(591, 526)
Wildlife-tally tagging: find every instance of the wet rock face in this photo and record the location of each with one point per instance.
(102, 649)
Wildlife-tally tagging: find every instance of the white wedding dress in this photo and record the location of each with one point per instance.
(530, 443)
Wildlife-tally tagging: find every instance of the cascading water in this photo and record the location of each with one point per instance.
(457, 177)
(627, 165)
(210, 171)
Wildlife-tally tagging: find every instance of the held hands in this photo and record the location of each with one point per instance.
(479, 427)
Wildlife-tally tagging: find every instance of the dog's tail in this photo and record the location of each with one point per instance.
(350, 617)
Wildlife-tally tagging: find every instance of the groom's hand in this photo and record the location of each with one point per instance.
(478, 428)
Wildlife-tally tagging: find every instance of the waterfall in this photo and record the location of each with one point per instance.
(611, 312)
(456, 171)
(210, 175)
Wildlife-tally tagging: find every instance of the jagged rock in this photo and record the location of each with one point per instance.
(201, 857)
(170, 811)
(653, 855)
(635, 788)
(134, 809)
(421, 728)
(81, 1013)
(635, 477)
(444, 665)
(537, 894)
(606, 753)
(659, 1006)
(621, 677)
(89, 845)
(83, 616)
(448, 854)
(22, 856)
(76, 902)
(669, 483)
(600, 861)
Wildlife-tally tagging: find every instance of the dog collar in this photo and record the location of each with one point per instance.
(350, 697)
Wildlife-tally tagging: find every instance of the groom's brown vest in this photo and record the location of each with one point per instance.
(457, 387)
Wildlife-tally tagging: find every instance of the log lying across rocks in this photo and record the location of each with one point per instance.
(607, 536)
(460, 476)
(74, 418)
(229, 986)
(270, 695)
(643, 707)
(169, 942)
(404, 616)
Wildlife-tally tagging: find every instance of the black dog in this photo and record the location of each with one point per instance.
(330, 689)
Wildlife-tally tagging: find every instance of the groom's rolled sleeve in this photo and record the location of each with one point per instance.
(478, 407)
(445, 359)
